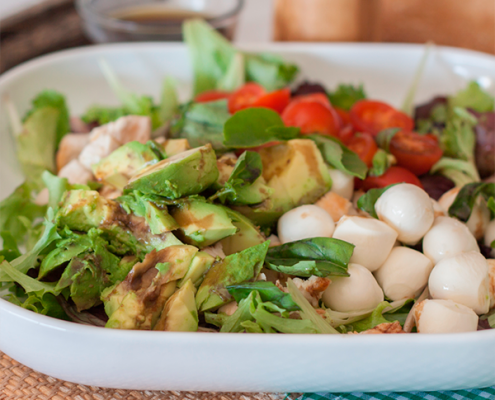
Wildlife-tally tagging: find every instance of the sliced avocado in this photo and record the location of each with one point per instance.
(180, 313)
(82, 210)
(172, 147)
(233, 269)
(117, 168)
(186, 173)
(137, 302)
(202, 224)
(247, 234)
(201, 263)
(255, 193)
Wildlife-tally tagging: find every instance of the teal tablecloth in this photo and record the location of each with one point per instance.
(471, 394)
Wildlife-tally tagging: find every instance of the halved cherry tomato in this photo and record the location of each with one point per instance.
(392, 175)
(211, 95)
(312, 117)
(364, 146)
(344, 115)
(347, 131)
(374, 116)
(245, 97)
(277, 100)
(321, 98)
(418, 153)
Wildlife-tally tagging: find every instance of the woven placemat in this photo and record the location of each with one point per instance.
(20, 382)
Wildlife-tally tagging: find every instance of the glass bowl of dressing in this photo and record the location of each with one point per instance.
(153, 20)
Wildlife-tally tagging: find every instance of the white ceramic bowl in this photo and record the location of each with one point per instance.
(240, 362)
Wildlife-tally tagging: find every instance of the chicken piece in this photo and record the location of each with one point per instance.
(385, 328)
(109, 192)
(70, 148)
(125, 130)
(96, 150)
(42, 198)
(77, 125)
(215, 250)
(229, 308)
(76, 173)
(491, 274)
(336, 205)
(274, 240)
(312, 288)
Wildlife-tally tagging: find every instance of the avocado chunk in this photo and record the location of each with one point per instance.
(117, 168)
(138, 301)
(201, 263)
(233, 269)
(82, 210)
(172, 147)
(202, 224)
(247, 235)
(297, 174)
(180, 313)
(254, 193)
(186, 173)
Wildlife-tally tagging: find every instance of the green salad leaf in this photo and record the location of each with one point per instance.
(317, 256)
(376, 318)
(461, 172)
(381, 162)
(384, 138)
(235, 75)
(473, 97)
(10, 249)
(346, 95)
(339, 156)
(367, 201)
(30, 285)
(169, 104)
(268, 292)
(465, 200)
(254, 127)
(458, 138)
(46, 304)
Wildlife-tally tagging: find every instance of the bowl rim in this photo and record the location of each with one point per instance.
(73, 327)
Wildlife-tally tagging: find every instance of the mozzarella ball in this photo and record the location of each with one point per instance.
(305, 222)
(408, 209)
(448, 237)
(373, 240)
(490, 235)
(464, 279)
(491, 281)
(444, 316)
(404, 273)
(342, 183)
(480, 215)
(357, 292)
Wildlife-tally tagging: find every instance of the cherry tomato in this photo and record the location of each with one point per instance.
(211, 95)
(344, 115)
(321, 98)
(245, 97)
(364, 146)
(347, 131)
(418, 153)
(374, 116)
(392, 175)
(312, 117)
(277, 100)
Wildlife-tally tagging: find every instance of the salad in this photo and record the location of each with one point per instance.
(261, 205)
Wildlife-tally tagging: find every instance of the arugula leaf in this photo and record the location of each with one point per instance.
(376, 318)
(339, 156)
(212, 60)
(461, 172)
(19, 207)
(464, 202)
(346, 95)
(381, 162)
(317, 256)
(202, 123)
(367, 201)
(54, 100)
(255, 126)
(268, 292)
(473, 97)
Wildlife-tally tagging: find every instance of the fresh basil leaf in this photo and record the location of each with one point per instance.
(254, 127)
(339, 156)
(367, 201)
(317, 256)
(346, 95)
(473, 97)
(268, 292)
(464, 202)
(202, 123)
(381, 162)
(385, 136)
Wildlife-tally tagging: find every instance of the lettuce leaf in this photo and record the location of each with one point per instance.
(376, 318)
(30, 285)
(461, 172)
(46, 304)
(473, 97)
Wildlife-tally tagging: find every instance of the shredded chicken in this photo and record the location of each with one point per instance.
(125, 129)
(312, 289)
(274, 240)
(70, 147)
(385, 328)
(229, 308)
(97, 149)
(76, 173)
(491, 274)
(336, 206)
(110, 192)
(215, 250)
